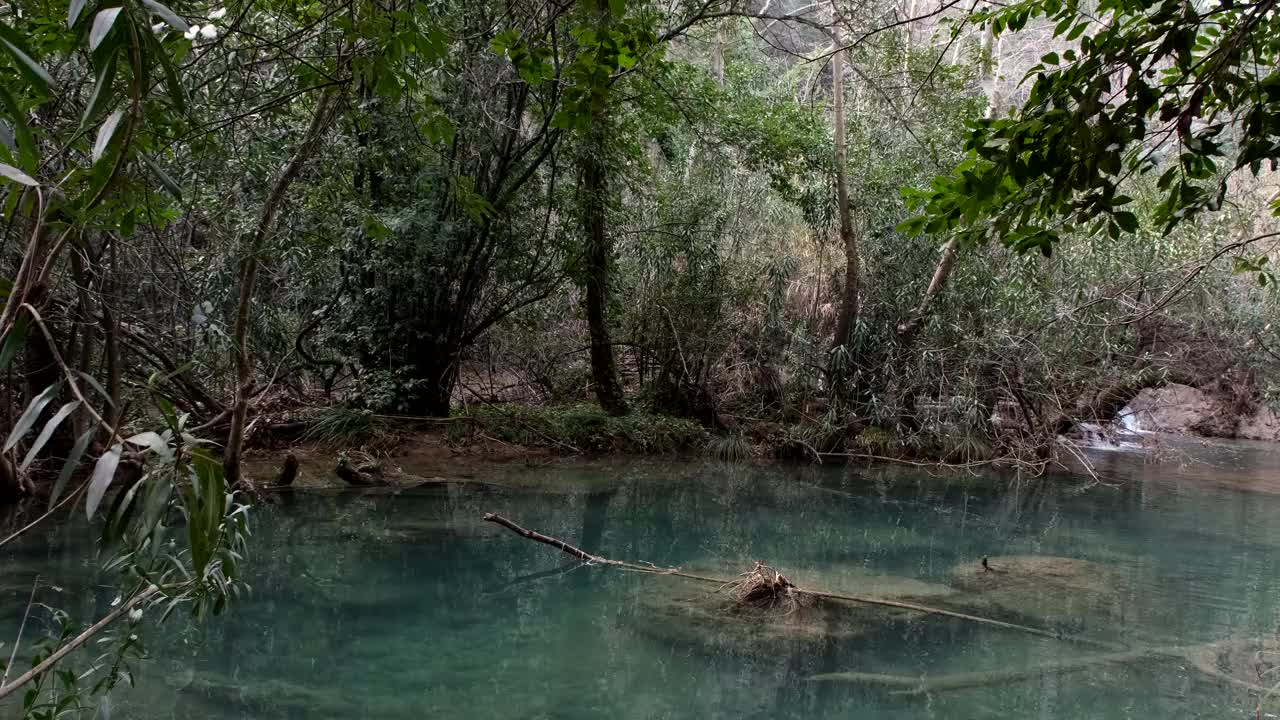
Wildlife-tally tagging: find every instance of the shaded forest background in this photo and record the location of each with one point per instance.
(304, 220)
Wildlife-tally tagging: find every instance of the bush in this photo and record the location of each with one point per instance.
(589, 429)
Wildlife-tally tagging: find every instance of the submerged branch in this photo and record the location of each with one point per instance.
(912, 686)
(724, 582)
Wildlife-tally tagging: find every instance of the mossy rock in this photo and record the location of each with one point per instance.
(1247, 663)
(687, 613)
(267, 698)
(1055, 590)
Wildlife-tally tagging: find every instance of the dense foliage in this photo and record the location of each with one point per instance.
(758, 226)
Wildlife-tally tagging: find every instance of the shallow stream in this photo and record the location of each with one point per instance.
(410, 606)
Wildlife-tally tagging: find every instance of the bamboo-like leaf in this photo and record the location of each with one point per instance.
(104, 134)
(151, 440)
(10, 172)
(35, 73)
(97, 386)
(47, 433)
(73, 462)
(26, 143)
(102, 24)
(165, 178)
(103, 473)
(28, 418)
(167, 15)
(73, 12)
(154, 506)
(121, 510)
(101, 90)
(14, 341)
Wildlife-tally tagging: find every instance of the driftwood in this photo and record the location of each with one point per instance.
(783, 585)
(358, 476)
(288, 471)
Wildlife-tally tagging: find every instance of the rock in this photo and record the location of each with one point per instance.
(1249, 663)
(1055, 590)
(1185, 410)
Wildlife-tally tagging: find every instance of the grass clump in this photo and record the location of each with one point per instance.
(587, 428)
(730, 448)
(344, 427)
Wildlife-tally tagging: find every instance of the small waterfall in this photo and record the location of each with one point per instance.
(1127, 420)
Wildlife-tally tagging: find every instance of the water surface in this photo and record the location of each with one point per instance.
(410, 606)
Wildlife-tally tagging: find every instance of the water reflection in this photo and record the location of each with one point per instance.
(409, 606)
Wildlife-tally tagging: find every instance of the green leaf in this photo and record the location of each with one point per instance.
(32, 412)
(102, 24)
(97, 386)
(167, 15)
(165, 178)
(104, 471)
(10, 172)
(101, 94)
(1127, 221)
(26, 143)
(13, 341)
(73, 462)
(105, 133)
(1050, 58)
(47, 433)
(176, 92)
(30, 69)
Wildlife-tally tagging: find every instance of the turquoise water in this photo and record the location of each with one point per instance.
(410, 606)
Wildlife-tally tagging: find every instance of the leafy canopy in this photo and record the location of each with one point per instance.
(1185, 88)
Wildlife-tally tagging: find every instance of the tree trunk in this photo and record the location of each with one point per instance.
(908, 329)
(599, 252)
(849, 300)
(251, 247)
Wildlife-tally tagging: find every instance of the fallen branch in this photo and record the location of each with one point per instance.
(915, 686)
(75, 643)
(587, 557)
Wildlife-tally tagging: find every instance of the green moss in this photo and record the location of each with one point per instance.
(589, 429)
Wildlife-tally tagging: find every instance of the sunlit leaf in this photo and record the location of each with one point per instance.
(103, 473)
(105, 133)
(10, 172)
(28, 418)
(102, 24)
(151, 440)
(47, 432)
(169, 16)
(73, 12)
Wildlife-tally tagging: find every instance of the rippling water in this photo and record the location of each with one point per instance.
(409, 606)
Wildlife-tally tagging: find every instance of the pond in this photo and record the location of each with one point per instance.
(410, 606)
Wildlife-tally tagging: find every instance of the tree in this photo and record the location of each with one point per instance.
(1165, 86)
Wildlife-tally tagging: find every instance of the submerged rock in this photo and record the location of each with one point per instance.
(1248, 663)
(1050, 589)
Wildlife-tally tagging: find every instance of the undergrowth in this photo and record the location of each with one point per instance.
(585, 428)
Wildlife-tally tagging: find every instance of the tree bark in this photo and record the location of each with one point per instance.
(599, 252)
(848, 239)
(251, 247)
